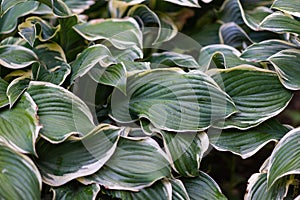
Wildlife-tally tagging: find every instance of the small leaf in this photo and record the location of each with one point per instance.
(118, 7)
(189, 3)
(8, 4)
(178, 190)
(79, 6)
(288, 6)
(59, 8)
(61, 113)
(136, 164)
(19, 177)
(3, 97)
(203, 187)
(16, 57)
(230, 12)
(16, 88)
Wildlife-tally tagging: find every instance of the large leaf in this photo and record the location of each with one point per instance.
(122, 33)
(16, 88)
(263, 50)
(8, 4)
(59, 8)
(203, 187)
(60, 163)
(9, 21)
(230, 12)
(19, 126)
(257, 94)
(285, 158)
(16, 57)
(135, 164)
(75, 190)
(185, 150)
(286, 64)
(172, 100)
(189, 3)
(288, 6)
(3, 97)
(61, 113)
(20, 179)
(247, 143)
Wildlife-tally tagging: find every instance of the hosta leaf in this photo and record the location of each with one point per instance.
(28, 30)
(286, 64)
(53, 66)
(16, 88)
(13, 41)
(135, 164)
(177, 102)
(263, 50)
(178, 190)
(189, 3)
(19, 126)
(60, 163)
(247, 143)
(8, 4)
(61, 113)
(9, 21)
(75, 190)
(122, 33)
(59, 8)
(288, 6)
(159, 190)
(16, 57)
(79, 6)
(186, 151)
(114, 75)
(203, 187)
(230, 12)
(257, 188)
(280, 23)
(20, 179)
(168, 29)
(221, 55)
(172, 59)
(284, 159)
(91, 56)
(118, 7)
(257, 94)
(3, 97)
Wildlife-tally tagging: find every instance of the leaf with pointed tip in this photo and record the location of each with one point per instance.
(203, 187)
(3, 97)
(118, 7)
(257, 94)
(19, 177)
(75, 190)
(178, 190)
(73, 158)
(136, 164)
(59, 8)
(122, 33)
(9, 21)
(8, 4)
(168, 29)
(61, 113)
(284, 159)
(262, 51)
(172, 100)
(79, 6)
(19, 126)
(189, 3)
(247, 143)
(289, 6)
(16, 57)
(16, 88)
(286, 64)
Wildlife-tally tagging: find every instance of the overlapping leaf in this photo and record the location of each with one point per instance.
(16, 88)
(189, 3)
(288, 6)
(3, 97)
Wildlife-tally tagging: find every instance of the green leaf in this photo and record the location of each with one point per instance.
(167, 31)
(61, 113)
(16, 88)
(20, 179)
(178, 190)
(189, 3)
(247, 143)
(257, 94)
(9, 21)
(159, 190)
(172, 100)
(16, 57)
(262, 51)
(28, 30)
(280, 23)
(19, 126)
(230, 12)
(257, 188)
(79, 6)
(60, 163)
(59, 8)
(135, 164)
(75, 190)
(122, 33)
(114, 75)
(285, 63)
(8, 4)
(53, 66)
(186, 151)
(288, 6)
(3, 97)
(118, 7)
(203, 187)
(90, 57)
(284, 159)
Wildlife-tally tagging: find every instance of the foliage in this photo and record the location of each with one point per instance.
(123, 99)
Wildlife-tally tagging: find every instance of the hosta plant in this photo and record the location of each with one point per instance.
(123, 99)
